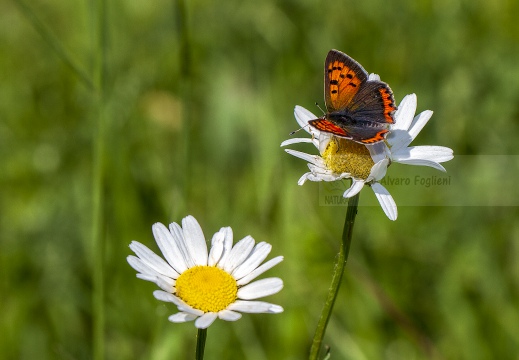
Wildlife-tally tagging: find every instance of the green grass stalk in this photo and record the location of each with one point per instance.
(54, 43)
(98, 239)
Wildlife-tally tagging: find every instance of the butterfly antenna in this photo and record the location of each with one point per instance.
(293, 132)
(317, 104)
(301, 128)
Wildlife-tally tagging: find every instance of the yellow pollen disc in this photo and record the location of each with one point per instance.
(206, 288)
(345, 156)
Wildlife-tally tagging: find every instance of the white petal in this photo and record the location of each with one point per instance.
(204, 321)
(216, 248)
(398, 139)
(378, 171)
(182, 306)
(260, 270)
(296, 141)
(260, 288)
(302, 116)
(260, 253)
(405, 113)
(303, 179)
(141, 267)
(178, 235)
(432, 153)
(386, 201)
(167, 297)
(328, 177)
(239, 253)
(255, 307)
(169, 247)
(419, 122)
(354, 189)
(314, 159)
(152, 260)
(181, 317)
(373, 77)
(227, 246)
(421, 162)
(229, 315)
(378, 151)
(195, 240)
(150, 278)
(189, 310)
(323, 141)
(165, 283)
(319, 177)
(320, 168)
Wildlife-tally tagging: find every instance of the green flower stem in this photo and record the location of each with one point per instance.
(342, 257)
(200, 343)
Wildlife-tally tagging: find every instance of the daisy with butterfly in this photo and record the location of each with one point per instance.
(359, 136)
(362, 132)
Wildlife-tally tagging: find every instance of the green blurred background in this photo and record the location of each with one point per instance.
(199, 96)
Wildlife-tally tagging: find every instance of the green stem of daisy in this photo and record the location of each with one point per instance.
(342, 257)
(200, 343)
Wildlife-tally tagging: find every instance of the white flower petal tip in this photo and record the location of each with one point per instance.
(195, 240)
(295, 141)
(260, 288)
(378, 171)
(255, 307)
(229, 315)
(354, 189)
(181, 317)
(185, 250)
(204, 321)
(275, 309)
(303, 115)
(386, 201)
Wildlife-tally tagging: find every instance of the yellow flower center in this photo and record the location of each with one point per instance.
(345, 156)
(206, 288)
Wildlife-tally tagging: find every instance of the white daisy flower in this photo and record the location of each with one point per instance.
(207, 285)
(367, 164)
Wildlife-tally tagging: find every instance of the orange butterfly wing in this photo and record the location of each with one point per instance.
(357, 109)
(329, 127)
(342, 79)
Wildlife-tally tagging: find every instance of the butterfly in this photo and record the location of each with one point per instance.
(357, 108)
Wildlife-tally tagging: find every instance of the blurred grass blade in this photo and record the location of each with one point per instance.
(99, 143)
(54, 43)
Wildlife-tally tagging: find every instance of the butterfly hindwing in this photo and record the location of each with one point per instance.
(329, 127)
(343, 77)
(362, 134)
(366, 135)
(373, 102)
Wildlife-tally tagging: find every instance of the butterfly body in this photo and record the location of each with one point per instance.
(357, 108)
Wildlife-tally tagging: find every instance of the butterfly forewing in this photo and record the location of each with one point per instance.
(357, 108)
(343, 77)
